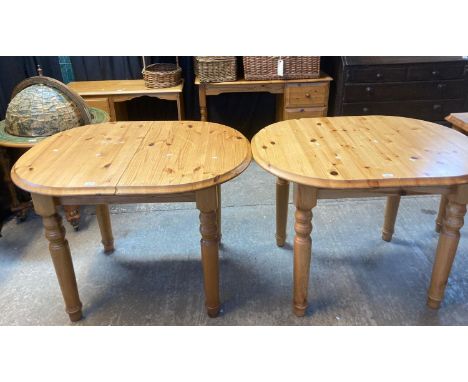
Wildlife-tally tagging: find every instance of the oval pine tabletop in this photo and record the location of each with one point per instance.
(363, 152)
(133, 158)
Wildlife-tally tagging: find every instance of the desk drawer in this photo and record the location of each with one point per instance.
(405, 91)
(99, 102)
(308, 112)
(297, 95)
(375, 74)
(427, 110)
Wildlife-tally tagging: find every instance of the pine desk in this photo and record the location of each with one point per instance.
(132, 162)
(297, 98)
(109, 95)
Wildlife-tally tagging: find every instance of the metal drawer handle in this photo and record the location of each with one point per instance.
(379, 75)
(436, 107)
(365, 109)
(368, 89)
(435, 72)
(441, 86)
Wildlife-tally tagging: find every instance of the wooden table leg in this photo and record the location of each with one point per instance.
(72, 214)
(446, 248)
(202, 102)
(105, 226)
(305, 198)
(206, 200)
(391, 212)
(441, 214)
(218, 211)
(282, 199)
(60, 252)
(180, 106)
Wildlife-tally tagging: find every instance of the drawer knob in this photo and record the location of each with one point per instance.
(368, 89)
(436, 107)
(379, 75)
(435, 72)
(365, 109)
(307, 95)
(441, 86)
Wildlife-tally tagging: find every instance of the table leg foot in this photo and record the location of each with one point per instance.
(282, 198)
(207, 204)
(305, 199)
(391, 212)
(446, 251)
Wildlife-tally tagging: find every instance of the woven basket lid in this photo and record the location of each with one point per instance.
(41, 106)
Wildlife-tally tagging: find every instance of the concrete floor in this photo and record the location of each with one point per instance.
(155, 278)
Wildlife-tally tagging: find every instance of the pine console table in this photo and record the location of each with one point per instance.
(299, 98)
(109, 95)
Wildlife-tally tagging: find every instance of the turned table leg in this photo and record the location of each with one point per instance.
(441, 214)
(391, 212)
(72, 214)
(282, 199)
(305, 198)
(60, 252)
(202, 102)
(218, 211)
(105, 226)
(207, 203)
(446, 250)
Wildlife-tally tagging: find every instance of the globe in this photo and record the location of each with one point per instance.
(40, 110)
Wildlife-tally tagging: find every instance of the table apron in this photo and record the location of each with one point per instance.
(268, 88)
(380, 192)
(124, 199)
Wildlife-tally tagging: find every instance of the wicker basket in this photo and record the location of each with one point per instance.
(294, 67)
(216, 68)
(162, 75)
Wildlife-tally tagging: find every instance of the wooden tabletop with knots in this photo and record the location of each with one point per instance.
(363, 152)
(133, 158)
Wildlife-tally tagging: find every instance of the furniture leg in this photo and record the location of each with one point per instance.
(105, 226)
(72, 214)
(282, 199)
(206, 200)
(446, 250)
(60, 252)
(218, 211)
(180, 106)
(202, 101)
(391, 212)
(441, 214)
(305, 198)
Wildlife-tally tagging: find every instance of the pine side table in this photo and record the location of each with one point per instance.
(109, 95)
(337, 157)
(132, 162)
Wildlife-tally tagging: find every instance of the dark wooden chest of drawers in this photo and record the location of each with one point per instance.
(428, 88)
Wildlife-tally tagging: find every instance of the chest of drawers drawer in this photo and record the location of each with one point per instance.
(436, 72)
(428, 110)
(306, 95)
(377, 74)
(405, 91)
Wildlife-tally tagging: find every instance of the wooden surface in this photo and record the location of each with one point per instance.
(240, 83)
(363, 152)
(133, 158)
(117, 87)
(459, 121)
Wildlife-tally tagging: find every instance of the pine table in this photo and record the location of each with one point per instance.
(337, 157)
(132, 162)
